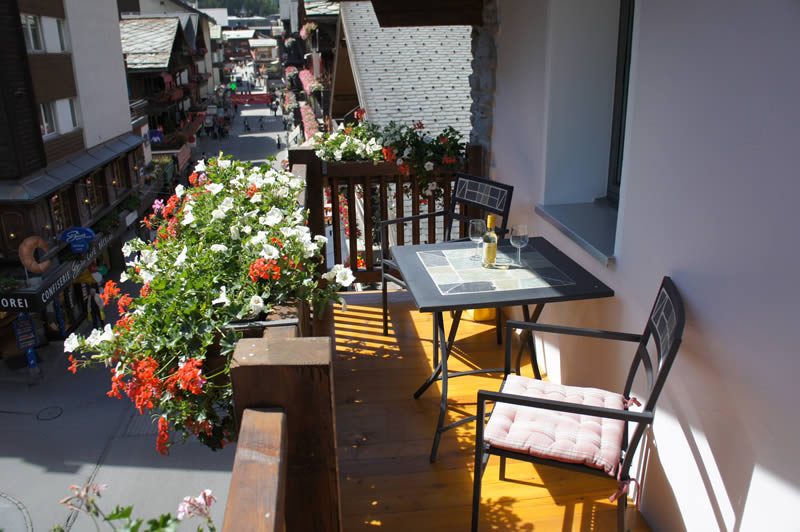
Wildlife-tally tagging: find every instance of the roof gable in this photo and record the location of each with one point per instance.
(147, 42)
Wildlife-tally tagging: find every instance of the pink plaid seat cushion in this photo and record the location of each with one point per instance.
(574, 438)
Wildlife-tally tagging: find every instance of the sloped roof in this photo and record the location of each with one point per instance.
(258, 43)
(320, 8)
(219, 14)
(412, 73)
(147, 42)
(238, 34)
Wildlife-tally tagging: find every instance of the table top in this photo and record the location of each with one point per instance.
(444, 276)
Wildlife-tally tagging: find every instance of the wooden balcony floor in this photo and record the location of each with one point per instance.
(385, 435)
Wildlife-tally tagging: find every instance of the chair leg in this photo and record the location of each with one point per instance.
(478, 471)
(502, 468)
(385, 302)
(499, 326)
(622, 504)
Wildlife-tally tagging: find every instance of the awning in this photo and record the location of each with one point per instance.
(32, 188)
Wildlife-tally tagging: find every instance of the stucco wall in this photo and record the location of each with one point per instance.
(709, 187)
(99, 69)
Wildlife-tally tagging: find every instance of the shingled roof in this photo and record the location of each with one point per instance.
(412, 73)
(147, 42)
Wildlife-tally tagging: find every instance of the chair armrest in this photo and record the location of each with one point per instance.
(574, 331)
(561, 406)
(405, 219)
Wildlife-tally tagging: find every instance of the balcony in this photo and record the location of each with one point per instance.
(384, 437)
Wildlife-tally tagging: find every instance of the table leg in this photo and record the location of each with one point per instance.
(529, 340)
(445, 350)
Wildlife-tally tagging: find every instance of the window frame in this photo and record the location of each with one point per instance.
(43, 122)
(73, 112)
(62, 34)
(28, 21)
(61, 200)
(622, 80)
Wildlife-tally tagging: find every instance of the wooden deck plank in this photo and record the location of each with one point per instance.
(384, 436)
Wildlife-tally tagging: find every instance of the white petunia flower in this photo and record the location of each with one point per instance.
(270, 252)
(108, 333)
(319, 239)
(256, 304)
(309, 249)
(227, 204)
(123, 277)
(223, 163)
(343, 303)
(215, 188)
(181, 258)
(71, 343)
(200, 167)
(147, 276)
(222, 299)
(94, 338)
(399, 161)
(288, 231)
(429, 166)
(331, 275)
(189, 218)
(235, 233)
(247, 229)
(256, 198)
(219, 248)
(217, 214)
(179, 190)
(345, 277)
(149, 257)
(273, 216)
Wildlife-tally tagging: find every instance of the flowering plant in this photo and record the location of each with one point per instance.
(228, 249)
(289, 101)
(305, 31)
(288, 44)
(310, 125)
(84, 499)
(410, 147)
(291, 72)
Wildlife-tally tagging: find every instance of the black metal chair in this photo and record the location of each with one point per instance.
(588, 430)
(489, 197)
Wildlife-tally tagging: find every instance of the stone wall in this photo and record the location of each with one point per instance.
(482, 79)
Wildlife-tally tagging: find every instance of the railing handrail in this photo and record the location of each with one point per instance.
(257, 496)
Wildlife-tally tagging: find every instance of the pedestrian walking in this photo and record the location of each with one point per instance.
(96, 309)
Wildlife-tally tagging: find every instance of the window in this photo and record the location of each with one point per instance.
(94, 192)
(47, 120)
(61, 40)
(61, 212)
(120, 175)
(32, 28)
(590, 48)
(73, 113)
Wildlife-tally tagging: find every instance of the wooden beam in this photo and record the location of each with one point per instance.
(391, 13)
(295, 375)
(257, 494)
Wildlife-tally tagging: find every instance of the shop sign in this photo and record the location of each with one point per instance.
(78, 238)
(17, 302)
(25, 331)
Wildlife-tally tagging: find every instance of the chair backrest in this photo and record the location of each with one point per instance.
(487, 195)
(665, 328)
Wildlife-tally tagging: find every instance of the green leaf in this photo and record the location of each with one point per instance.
(120, 513)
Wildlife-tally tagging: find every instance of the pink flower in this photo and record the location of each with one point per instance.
(199, 506)
(158, 205)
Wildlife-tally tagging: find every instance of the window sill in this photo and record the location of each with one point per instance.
(592, 226)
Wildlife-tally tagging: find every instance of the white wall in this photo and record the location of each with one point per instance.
(709, 193)
(99, 69)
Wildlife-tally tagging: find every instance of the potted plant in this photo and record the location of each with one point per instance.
(228, 249)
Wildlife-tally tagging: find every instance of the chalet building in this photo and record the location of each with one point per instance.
(220, 21)
(237, 44)
(161, 70)
(68, 158)
(196, 25)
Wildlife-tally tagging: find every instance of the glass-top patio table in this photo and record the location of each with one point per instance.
(444, 277)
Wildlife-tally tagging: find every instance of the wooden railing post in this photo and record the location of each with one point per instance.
(295, 375)
(257, 496)
(315, 196)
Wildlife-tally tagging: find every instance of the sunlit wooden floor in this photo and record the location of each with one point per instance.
(385, 435)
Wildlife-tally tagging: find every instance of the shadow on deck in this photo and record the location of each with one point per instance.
(384, 436)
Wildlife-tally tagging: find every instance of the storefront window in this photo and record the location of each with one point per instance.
(120, 175)
(60, 211)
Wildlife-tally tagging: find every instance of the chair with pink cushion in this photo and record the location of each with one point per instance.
(589, 430)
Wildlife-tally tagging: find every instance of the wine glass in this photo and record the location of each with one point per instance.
(477, 228)
(519, 239)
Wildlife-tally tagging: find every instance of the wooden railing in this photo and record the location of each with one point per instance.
(285, 474)
(381, 188)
